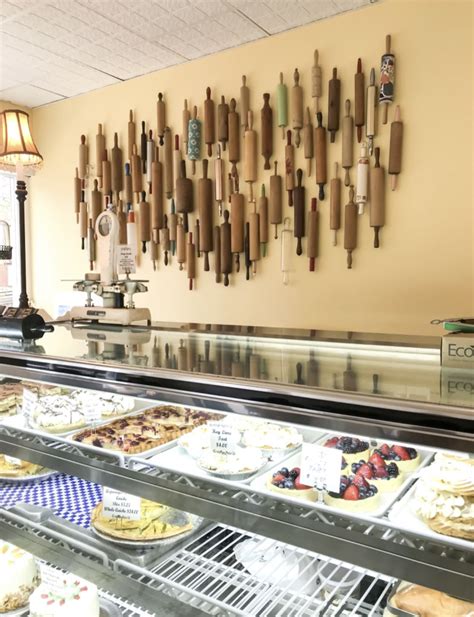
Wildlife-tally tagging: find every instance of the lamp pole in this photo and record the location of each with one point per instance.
(21, 194)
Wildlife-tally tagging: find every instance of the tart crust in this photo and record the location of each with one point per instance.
(362, 505)
(306, 494)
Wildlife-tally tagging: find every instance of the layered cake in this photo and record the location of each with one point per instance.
(57, 414)
(352, 448)
(19, 577)
(11, 467)
(271, 437)
(76, 598)
(407, 459)
(10, 397)
(425, 602)
(355, 495)
(386, 477)
(287, 482)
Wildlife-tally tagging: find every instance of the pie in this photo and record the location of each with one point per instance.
(15, 468)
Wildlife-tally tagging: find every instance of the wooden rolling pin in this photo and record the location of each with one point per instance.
(91, 244)
(136, 173)
(165, 240)
(347, 142)
(237, 218)
(173, 225)
(334, 104)
(83, 159)
(83, 220)
(160, 118)
(180, 243)
(217, 253)
(128, 185)
(131, 135)
(350, 227)
(122, 221)
(320, 154)
(150, 157)
(99, 152)
(248, 263)
(387, 79)
(168, 143)
(282, 105)
(370, 115)
(276, 205)
(77, 194)
(359, 100)
(377, 198)
(154, 253)
(176, 158)
(116, 167)
(132, 232)
(297, 109)
(335, 204)
(96, 203)
(186, 117)
(234, 136)
(313, 234)
(308, 141)
(223, 123)
(205, 214)
(156, 195)
(145, 221)
(219, 179)
(286, 247)
(267, 130)
(226, 253)
(316, 81)
(250, 155)
(299, 211)
(106, 176)
(395, 155)
(143, 140)
(197, 237)
(194, 139)
(244, 103)
(263, 220)
(254, 239)
(289, 168)
(362, 179)
(209, 122)
(184, 195)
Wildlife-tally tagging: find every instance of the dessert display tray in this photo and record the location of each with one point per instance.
(18, 612)
(46, 473)
(108, 608)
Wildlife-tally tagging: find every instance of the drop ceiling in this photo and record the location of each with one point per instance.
(55, 49)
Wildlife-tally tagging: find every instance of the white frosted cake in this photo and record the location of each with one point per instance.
(56, 414)
(107, 404)
(76, 598)
(19, 577)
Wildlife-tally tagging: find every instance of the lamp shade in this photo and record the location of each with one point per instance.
(16, 143)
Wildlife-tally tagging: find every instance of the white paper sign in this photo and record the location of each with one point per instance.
(12, 460)
(224, 438)
(121, 505)
(52, 578)
(125, 259)
(29, 402)
(91, 413)
(321, 467)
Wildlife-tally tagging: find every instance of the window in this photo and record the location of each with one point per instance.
(9, 270)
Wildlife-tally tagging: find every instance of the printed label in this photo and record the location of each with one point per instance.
(121, 505)
(224, 438)
(125, 259)
(29, 402)
(52, 578)
(321, 467)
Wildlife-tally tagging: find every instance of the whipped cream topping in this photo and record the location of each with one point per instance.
(56, 411)
(450, 474)
(106, 403)
(431, 503)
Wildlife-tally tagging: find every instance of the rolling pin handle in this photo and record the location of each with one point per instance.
(206, 261)
(347, 177)
(190, 284)
(311, 264)
(371, 145)
(226, 280)
(299, 247)
(193, 166)
(83, 245)
(297, 138)
(385, 113)
(360, 209)
(166, 258)
(185, 222)
(359, 134)
(349, 259)
(321, 192)
(143, 246)
(290, 198)
(376, 237)
(237, 262)
(334, 237)
(276, 231)
(308, 167)
(209, 149)
(393, 181)
(254, 268)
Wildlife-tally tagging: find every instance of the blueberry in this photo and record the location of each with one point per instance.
(293, 474)
(289, 484)
(375, 489)
(397, 458)
(354, 467)
(411, 452)
(284, 471)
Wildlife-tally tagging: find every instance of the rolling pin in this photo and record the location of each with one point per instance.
(184, 195)
(150, 157)
(128, 185)
(297, 110)
(106, 176)
(186, 117)
(83, 220)
(165, 240)
(99, 152)
(116, 167)
(197, 237)
(377, 198)
(132, 232)
(122, 221)
(289, 168)
(313, 234)
(359, 100)
(244, 103)
(276, 205)
(96, 203)
(136, 172)
(282, 105)
(154, 253)
(83, 158)
(350, 227)
(217, 253)
(395, 153)
(299, 211)
(173, 225)
(335, 204)
(180, 243)
(176, 158)
(316, 81)
(160, 118)
(91, 244)
(263, 220)
(362, 178)
(143, 140)
(347, 142)
(285, 238)
(145, 221)
(267, 130)
(219, 178)
(205, 214)
(370, 115)
(131, 135)
(250, 156)
(320, 154)
(168, 143)
(156, 195)
(254, 239)
(77, 194)
(387, 79)
(234, 136)
(226, 253)
(194, 139)
(223, 123)
(237, 226)
(209, 122)
(308, 142)
(248, 263)
(334, 104)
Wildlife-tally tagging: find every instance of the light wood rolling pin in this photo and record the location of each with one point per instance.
(316, 81)
(263, 220)
(150, 157)
(347, 142)
(156, 195)
(276, 200)
(197, 237)
(205, 214)
(96, 203)
(234, 136)
(313, 234)
(168, 148)
(186, 117)
(395, 153)
(359, 100)
(244, 103)
(173, 225)
(223, 123)
(176, 159)
(299, 211)
(282, 105)
(289, 168)
(308, 141)
(160, 118)
(83, 218)
(370, 114)
(184, 195)
(334, 104)
(387, 79)
(77, 194)
(143, 140)
(237, 218)
(180, 243)
(335, 204)
(83, 158)
(122, 221)
(350, 227)
(145, 222)
(362, 179)
(209, 122)
(217, 253)
(194, 139)
(128, 185)
(165, 240)
(99, 152)
(266, 131)
(320, 154)
(219, 179)
(106, 176)
(131, 131)
(116, 179)
(226, 253)
(91, 244)
(297, 109)
(250, 156)
(254, 239)
(136, 173)
(377, 198)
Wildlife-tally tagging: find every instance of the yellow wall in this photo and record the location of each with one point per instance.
(424, 268)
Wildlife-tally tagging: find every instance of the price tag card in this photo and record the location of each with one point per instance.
(224, 438)
(12, 460)
(321, 467)
(52, 578)
(126, 259)
(121, 505)
(29, 402)
(91, 413)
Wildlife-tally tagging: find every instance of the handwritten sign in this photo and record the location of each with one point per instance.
(125, 259)
(321, 467)
(224, 438)
(121, 505)
(53, 579)
(91, 413)
(29, 402)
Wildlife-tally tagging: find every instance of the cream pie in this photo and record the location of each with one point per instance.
(11, 467)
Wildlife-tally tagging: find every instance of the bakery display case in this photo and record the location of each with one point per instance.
(188, 470)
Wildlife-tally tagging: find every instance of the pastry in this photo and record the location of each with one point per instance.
(76, 598)
(19, 577)
(287, 482)
(386, 478)
(42, 389)
(156, 523)
(269, 436)
(106, 404)
(56, 414)
(353, 448)
(424, 602)
(355, 495)
(11, 467)
(407, 459)
(244, 461)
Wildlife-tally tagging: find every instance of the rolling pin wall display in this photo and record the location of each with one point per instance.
(282, 105)
(150, 155)
(143, 140)
(168, 148)
(83, 158)
(263, 220)
(116, 167)
(289, 168)
(219, 179)
(267, 130)
(234, 136)
(131, 129)
(320, 153)
(160, 118)
(362, 179)
(194, 139)
(297, 109)
(276, 205)
(250, 154)
(184, 195)
(217, 253)
(350, 227)
(156, 194)
(359, 100)
(334, 104)
(313, 234)
(370, 115)
(308, 141)
(244, 103)
(77, 194)
(335, 204)
(223, 123)
(205, 214)
(99, 152)
(316, 81)
(377, 198)
(226, 252)
(209, 122)
(299, 211)
(387, 79)
(347, 141)
(144, 221)
(395, 152)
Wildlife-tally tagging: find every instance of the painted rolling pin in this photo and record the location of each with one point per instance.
(234, 136)
(136, 173)
(313, 234)
(335, 204)
(77, 194)
(362, 179)
(248, 263)
(316, 81)
(83, 159)
(99, 152)
(131, 130)
(194, 139)
(180, 243)
(91, 244)
(297, 109)
(209, 122)
(395, 153)
(143, 140)
(289, 168)
(350, 227)
(334, 104)
(150, 157)
(237, 218)
(83, 219)
(387, 79)
(308, 141)
(205, 214)
(116, 179)
(370, 115)
(347, 142)
(128, 185)
(106, 176)
(276, 205)
(254, 238)
(160, 118)
(96, 203)
(217, 253)
(219, 179)
(156, 195)
(173, 225)
(250, 155)
(377, 198)
(165, 240)
(244, 103)
(168, 147)
(176, 158)
(320, 154)
(282, 105)
(223, 122)
(145, 221)
(267, 130)
(299, 211)
(186, 117)
(359, 100)
(184, 195)
(263, 220)
(191, 261)
(226, 253)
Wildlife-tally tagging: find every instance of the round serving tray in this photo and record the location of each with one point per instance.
(46, 473)
(24, 610)
(108, 608)
(232, 477)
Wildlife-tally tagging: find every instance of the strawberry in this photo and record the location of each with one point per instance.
(365, 471)
(278, 478)
(402, 452)
(351, 493)
(377, 460)
(384, 449)
(360, 481)
(299, 486)
(381, 472)
(331, 443)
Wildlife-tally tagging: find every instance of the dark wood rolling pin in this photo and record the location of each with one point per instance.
(77, 194)
(250, 158)
(335, 204)
(168, 148)
(205, 214)
(244, 103)
(219, 179)
(248, 263)
(186, 117)
(209, 122)
(289, 168)
(267, 130)
(165, 240)
(143, 140)
(377, 198)
(180, 243)
(116, 167)
(226, 253)
(237, 218)
(173, 225)
(254, 239)
(334, 104)
(223, 122)
(299, 211)
(234, 136)
(150, 157)
(395, 153)
(197, 237)
(83, 158)
(347, 142)
(308, 141)
(359, 100)
(176, 159)
(136, 173)
(99, 152)
(184, 195)
(131, 135)
(350, 227)
(263, 220)
(217, 253)
(96, 203)
(370, 114)
(106, 176)
(387, 79)
(128, 185)
(297, 108)
(194, 139)
(276, 201)
(145, 221)
(160, 118)
(320, 154)
(316, 81)
(313, 234)
(91, 244)
(157, 208)
(122, 222)
(83, 219)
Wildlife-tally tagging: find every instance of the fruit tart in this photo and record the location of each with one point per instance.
(287, 482)
(353, 448)
(386, 478)
(407, 459)
(355, 495)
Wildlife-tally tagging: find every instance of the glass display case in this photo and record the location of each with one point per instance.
(188, 469)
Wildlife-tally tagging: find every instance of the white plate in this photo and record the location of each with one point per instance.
(32, 478)
(17, 612)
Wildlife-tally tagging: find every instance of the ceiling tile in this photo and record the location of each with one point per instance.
(28, 95)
